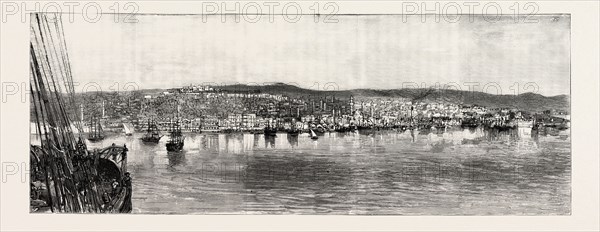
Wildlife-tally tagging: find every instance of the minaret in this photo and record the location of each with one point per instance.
(321, 104)
(351, 104)
(411, 113)
(103, 113)
(333, 115)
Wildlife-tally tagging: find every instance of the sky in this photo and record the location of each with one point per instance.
(364, 51)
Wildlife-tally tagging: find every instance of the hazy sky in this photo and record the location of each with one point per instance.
(380, 52)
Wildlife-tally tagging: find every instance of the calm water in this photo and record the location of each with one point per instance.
(459, 172)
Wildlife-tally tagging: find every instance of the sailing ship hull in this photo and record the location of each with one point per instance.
(95, 139)
(151, 139)
(469, 125)
(270, 132)
(367, 130)
(504, 127)
(293, 132)
(174, 147)
(342, 129)
(440, 127)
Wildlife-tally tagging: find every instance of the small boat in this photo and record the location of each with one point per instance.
(175, 143)
(342, 129)
(320, 130)
(313, 135)
(563, 126)
(127, 130)
(152, 134)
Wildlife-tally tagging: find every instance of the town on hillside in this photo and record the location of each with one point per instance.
(201, 108)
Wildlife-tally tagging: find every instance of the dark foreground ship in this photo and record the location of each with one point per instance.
(66, 177)
(175, 143)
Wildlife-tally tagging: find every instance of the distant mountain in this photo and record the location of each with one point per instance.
(527, 101)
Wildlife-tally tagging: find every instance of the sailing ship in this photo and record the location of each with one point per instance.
(270, 130)
(175, 143)
(294, 130)
(96, 132)
(152, 134)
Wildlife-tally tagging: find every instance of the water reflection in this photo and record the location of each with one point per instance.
(292, 140)
(270, 141)
(176, 159)
(414, 172)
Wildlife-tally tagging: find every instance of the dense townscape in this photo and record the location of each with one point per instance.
(210, 109)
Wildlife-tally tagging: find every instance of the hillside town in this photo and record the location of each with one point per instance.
(210, 109)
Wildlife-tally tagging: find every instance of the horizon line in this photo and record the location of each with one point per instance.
(325, 90)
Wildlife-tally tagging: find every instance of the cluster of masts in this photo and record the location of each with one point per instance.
(67, 176)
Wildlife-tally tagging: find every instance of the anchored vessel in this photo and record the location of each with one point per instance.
(96, 131)
(294, 130)
(152, 134)
(176, 138)
(270, 130)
